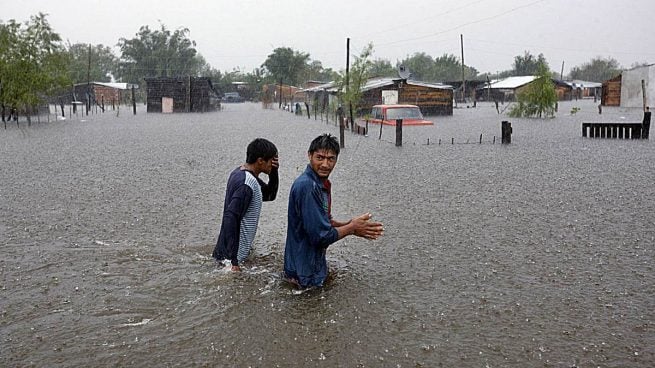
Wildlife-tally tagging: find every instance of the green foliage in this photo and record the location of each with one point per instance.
(596, 70)
(315, 72)
(382, 68)
(91, 63)
(444, 68)
(538, 98)
(350, 89)
(287, 65)
(159, 53)
(421, 65)
(33, 62)
(528, 64)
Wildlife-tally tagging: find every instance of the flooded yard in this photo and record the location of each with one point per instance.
(535, 254)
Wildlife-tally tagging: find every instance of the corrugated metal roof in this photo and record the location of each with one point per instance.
(110, 84)
(513, 82)
(583, 84)
(376, 83)
(115, 85)
(383, 82)
(330, 87)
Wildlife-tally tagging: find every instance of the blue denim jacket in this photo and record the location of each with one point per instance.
(309, 230)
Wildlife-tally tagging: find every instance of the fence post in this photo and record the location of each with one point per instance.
(506, 132)
(645, 130)
(342, 137)
(399, 132)
(133, 101)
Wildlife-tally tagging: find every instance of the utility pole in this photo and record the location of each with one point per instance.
(461, 38)
(350, 103)
(88, 84)
(561, 74)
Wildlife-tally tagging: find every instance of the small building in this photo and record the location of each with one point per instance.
(633, 83)
(95, 93)
(431, 98)
(563, 90)
(507, 89)
(584, 89)
(281, 94)
(106, 93)
(181, 94)
(471, 90)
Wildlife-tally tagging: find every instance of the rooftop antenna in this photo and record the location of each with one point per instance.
(403, 72)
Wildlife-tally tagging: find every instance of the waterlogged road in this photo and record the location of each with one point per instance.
(536, 254)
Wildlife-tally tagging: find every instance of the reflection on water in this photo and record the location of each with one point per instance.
(539, 253)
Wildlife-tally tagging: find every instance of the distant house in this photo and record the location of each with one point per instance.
(431, 98)
(584, 89)
(318, 95)
(472, 89)
(563, 90)
(181, 94)
(507, 89)
(95, 93)
(281, 94)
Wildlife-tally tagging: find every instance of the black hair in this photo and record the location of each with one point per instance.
(326, 142)
(260, 147)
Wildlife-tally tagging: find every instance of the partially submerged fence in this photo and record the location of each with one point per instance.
(614, 130)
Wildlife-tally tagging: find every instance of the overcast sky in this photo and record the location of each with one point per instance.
(239, 34)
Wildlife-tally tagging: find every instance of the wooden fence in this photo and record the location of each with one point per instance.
(614, 130)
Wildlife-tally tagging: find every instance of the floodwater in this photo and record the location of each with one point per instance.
(535, 254)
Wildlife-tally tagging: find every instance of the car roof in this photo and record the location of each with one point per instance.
(394, 106)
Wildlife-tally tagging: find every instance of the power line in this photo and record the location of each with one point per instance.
(465, 24)
(563, 48)
(402, 26)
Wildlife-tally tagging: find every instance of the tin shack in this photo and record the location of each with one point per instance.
(431, 98)
(181, 94)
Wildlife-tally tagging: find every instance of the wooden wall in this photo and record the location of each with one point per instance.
(106, 95)
(189, 94)
(431, 101)
(611, 92)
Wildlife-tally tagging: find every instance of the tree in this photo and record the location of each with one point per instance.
(286, 65)
(351, 92)
(383, 68)
(446, 67)
(597, 70)
(33, 63)
(421, 65)
(95, 63)
(159, 53)
(538, 99)
(528, 64)
(315, 72)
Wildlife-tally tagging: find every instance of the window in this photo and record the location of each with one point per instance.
(404, 113)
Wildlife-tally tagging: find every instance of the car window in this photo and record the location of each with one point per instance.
(404, 113)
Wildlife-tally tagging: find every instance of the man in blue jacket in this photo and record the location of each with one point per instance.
(243, 202)
(311, 228)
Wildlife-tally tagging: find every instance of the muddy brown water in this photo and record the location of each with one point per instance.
(535, 254)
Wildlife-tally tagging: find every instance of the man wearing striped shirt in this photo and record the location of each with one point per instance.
(244, 195)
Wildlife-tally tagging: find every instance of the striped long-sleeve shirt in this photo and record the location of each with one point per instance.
(243, 202)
